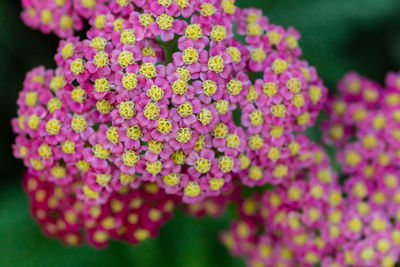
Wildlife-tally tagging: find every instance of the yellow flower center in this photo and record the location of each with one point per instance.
(225, 164)
(155, 146)
(352, 158)
(101, 85)
(172, 179)
(134, 132)
(185, 109)
(127, 109)
(221, 106)
(178, 157)
(58, 172)
(66, 22)
(253, 29)
(101, 59)
(279, 66)
(274, 37)
(78, 123)
(220, 130)
(46, 16)
(148, 69)
(165, 22)
(184, 135)
(274, 153)
(125, 58)
(103, 179)
(192, 189)
(216, 64)
(205, 116)
(280, 171)
(180, 87)
(100, 21)
(232, 140)
(190, 55)
(31, 99)
(154, 167)
(98, 43)
(130, 158)
(216, 183)
(128, 37)
(126, 178)
(68, 50)
(244, 161)
(152, 111)
(100, 153)
(44, 151)
(294, 85)
(77, 66)
(53, 126)
(258, 54)
(194, 31)
(112, 135)
(256, 142)
(146, 19)
(279, 110)
(218, 33)
(355, 225)
(257, 117)
(235, 53)
(234, 87)
(155, 93)
(270, 89)
(202, 165)
(298, 100)
(68, 147)
(104, 106)
(314, 93)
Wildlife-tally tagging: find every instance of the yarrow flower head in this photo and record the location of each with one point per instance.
(166, 93)
(56, 16)
(131, 215)
(313, 220)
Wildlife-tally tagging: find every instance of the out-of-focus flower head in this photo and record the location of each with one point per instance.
(314, 220)
(364, 124)
(132, 215)
(48, 16)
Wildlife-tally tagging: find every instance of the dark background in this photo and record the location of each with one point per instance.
(337, 36)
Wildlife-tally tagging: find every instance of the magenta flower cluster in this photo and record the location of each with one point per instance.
(316, 219)
(129, 215)
(185, 101)
(364, 126)
(179, 96)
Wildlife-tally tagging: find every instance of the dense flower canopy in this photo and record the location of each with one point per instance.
(184, 96)
(315, 218)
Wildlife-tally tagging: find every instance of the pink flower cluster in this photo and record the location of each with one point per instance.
(129, 215)
(364, 125)
(311, 220)
(56, 16)
(184, 94)
(314, 218)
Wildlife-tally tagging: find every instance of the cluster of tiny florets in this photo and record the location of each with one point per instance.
(129, 215)
(364, 125)
(314, 218)
(182, 94)
(58, 16)
(314, 221)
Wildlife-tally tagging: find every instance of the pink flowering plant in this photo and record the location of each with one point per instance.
(197, 104)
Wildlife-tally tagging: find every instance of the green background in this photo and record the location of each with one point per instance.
(337, 36)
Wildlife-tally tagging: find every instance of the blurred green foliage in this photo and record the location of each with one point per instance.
(337, 36)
